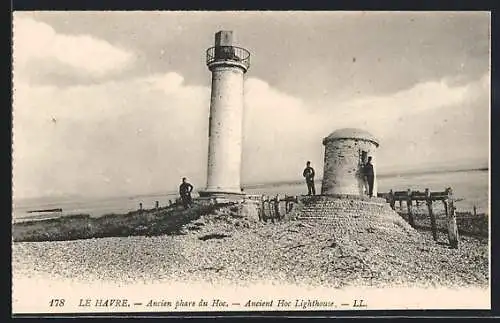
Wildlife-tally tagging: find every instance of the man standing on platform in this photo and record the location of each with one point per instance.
(369, 175)
(309, 176)
(185, 190)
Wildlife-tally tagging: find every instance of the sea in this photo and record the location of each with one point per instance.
(470, 187)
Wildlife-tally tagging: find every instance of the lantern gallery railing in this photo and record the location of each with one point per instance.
(228, 53)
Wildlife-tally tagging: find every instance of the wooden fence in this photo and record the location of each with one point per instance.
(428, 197)
(157, 205)
(270, 207)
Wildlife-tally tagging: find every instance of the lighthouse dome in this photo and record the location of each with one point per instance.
(351, 133)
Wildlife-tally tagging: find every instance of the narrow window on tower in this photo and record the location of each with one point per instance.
(210, 126)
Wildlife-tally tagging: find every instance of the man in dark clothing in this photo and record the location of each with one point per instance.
(185, 190)
(369, 175)
(309, 176)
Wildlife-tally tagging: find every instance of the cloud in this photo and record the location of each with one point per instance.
(427, 123)
(85, 122)
(453, 133)
(169, 83)
(111, 138)
(280, 131)
(141, 135)
(41, 52)
(378, 114)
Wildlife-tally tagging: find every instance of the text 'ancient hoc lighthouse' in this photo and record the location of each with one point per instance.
(228, 65)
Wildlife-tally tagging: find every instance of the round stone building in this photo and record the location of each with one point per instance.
(346, 151)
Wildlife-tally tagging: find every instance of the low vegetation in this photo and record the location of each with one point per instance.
(81, 226)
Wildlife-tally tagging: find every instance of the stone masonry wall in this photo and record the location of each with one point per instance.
(354, 215)
(341, 171)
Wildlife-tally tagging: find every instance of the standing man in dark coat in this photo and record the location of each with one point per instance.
(185, 190)
(309, 176)
(369, 175)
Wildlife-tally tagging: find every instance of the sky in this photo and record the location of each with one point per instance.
(117, 103)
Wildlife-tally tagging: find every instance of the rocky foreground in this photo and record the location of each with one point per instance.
(226, 248)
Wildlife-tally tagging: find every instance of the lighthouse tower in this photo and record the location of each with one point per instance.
(228, 65)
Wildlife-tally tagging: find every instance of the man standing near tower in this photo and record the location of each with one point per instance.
(185, 190)
(369, 175)
(308, 173)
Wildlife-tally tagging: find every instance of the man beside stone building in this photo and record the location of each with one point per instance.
(369, 175)
(308, 173)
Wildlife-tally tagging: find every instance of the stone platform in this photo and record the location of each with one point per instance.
(244, 205)
(353, 214)
(306, 199)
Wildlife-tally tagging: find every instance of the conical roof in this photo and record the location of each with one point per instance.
(351, 133)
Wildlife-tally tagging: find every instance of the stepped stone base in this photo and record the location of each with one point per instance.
(353, 215)
(220, 199)
(246, 206)
(221, 193)
(312, 198)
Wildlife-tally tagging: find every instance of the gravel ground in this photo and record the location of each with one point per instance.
(222, 249)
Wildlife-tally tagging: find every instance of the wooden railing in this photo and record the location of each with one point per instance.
(446, 197)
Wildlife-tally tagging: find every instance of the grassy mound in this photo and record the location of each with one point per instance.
(151, 223)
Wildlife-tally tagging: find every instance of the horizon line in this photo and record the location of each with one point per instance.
(384, 174)
(254, 185)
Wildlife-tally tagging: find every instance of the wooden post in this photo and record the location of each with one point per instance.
(264, 208)
(452, 221)
(270, 209)
(277, 207)
(408, 205)
(431, 214)
(265, 215)
(400, 205)
(391, 200)
(289, 205)
(261, 214)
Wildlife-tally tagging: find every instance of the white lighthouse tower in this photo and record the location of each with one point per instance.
(228, 65)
